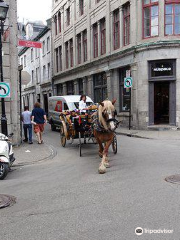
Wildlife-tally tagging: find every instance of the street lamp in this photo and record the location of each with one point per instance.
(3, 13)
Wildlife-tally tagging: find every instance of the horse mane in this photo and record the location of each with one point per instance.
(107, 104)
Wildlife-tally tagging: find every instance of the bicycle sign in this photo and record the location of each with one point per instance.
(128, 82)
(4, 90)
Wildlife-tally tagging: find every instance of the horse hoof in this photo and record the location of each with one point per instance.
(100, 155)
(102, 169)
(107, 165)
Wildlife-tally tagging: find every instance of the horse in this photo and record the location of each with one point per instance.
(103, 130)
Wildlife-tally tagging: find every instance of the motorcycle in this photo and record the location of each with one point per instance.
(6, 155)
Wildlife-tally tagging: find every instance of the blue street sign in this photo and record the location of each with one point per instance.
(4, 90)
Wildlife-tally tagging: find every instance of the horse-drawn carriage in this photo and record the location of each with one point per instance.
(77, 125)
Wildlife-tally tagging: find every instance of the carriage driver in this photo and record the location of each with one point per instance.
(82, 104)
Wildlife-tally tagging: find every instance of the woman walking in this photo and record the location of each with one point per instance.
(39, 120)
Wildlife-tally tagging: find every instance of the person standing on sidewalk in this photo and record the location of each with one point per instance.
(39, 120)
(27, 126)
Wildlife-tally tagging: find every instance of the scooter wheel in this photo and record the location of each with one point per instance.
(4, 169)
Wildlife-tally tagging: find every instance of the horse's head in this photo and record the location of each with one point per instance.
(107, 114)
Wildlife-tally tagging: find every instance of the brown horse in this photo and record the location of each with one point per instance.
(104, 128)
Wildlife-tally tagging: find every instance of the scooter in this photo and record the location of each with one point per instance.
(6, 155)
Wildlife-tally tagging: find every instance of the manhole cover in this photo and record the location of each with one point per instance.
(6, 201)
(173, 179)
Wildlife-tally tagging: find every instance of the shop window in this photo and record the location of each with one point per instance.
(100, 87)
(126, 23)
(124, 92)
(150, 18)
(80, 86)
(116, 29)
(70, 88)
(59, 89)
(172, 17)
(103, 36)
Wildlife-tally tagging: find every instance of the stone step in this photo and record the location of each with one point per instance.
(162, 128)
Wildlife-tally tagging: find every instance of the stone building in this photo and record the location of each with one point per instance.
(97, 42)
(37, 62)
(10, 70)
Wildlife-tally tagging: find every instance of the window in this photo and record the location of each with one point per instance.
(68, 16)
(116, 26)
(172, 17)
(56, 26)
(44, 72)
(81, 7)
(67, 54)
(80, 86)
(71, 53)
(37, 75)
(97, 1)
(57, 60)
(32, 54)
(126, 23)
(60, 58)
(36, 52)
(59, 89)
(95, 40)
(59, 21)
(79, 48)
(100, 87)
(70, 88)
(150, 18)
(21, 61)
(124, 92)
(85, 46)
(32, 76)
(49, 70)
(43, 50)
(24, 60)
(103, 36)
(48, 44)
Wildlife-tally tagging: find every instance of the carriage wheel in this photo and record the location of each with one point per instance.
(62, 136)
(114, 145)
(80, 145)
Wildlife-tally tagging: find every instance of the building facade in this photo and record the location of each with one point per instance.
(10, 71)
(98, 43)
(37, 62)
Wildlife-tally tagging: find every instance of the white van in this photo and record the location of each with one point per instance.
(58, 104)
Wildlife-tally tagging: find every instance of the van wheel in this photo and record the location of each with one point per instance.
(4, 169)
(53, 128)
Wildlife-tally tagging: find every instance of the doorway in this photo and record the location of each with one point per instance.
(161, 102)
(46, 103)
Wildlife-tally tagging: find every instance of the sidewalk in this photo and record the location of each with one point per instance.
(27, 154)
(149, 134)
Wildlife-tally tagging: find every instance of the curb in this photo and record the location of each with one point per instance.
(52, 154)
(132, 135)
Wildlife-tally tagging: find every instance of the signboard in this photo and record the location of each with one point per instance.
(4, 90)
(25, 43)
(128, 82)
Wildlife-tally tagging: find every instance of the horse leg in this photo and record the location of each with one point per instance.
(104, 162)
(101, 148)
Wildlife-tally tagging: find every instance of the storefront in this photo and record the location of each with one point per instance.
(162, 92)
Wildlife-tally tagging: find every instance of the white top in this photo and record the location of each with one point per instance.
(82, 105)
(26, 117)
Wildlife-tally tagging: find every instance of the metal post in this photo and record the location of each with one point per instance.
(20, 68)
(130, 111)
(4, 129)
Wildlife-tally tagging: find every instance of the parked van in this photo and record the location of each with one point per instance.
(58, 104)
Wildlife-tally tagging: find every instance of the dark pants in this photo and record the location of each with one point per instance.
(28, 131)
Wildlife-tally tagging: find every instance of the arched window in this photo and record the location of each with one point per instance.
(59, 21)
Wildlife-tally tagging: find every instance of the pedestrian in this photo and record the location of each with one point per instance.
(39, 120)
(27, 125)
